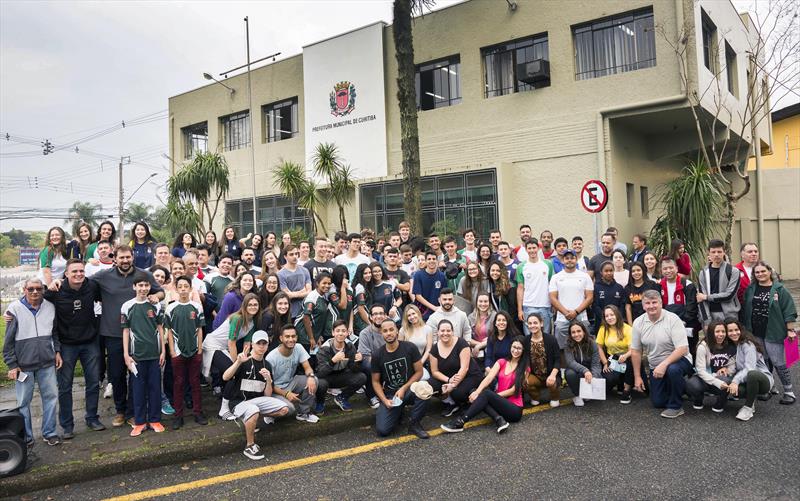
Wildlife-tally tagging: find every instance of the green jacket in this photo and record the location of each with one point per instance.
(781, 311)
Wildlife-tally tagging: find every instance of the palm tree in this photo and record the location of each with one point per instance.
(291, 180)
(196, 191)
(341, 184)
(82, 212)
(407, 100)
(139, 212)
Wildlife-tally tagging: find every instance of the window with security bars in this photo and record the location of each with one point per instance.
(195, 140)
(500, 63)
(275, 213)
(236, 131)
(281, 120)
(625, 42)
(438, 83)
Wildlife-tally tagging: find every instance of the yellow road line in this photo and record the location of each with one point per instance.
(287, 465)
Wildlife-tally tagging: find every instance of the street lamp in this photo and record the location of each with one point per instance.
(208, 76)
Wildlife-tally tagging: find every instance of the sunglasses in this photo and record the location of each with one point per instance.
(34, 289)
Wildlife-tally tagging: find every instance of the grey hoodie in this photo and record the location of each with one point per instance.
(31, 343)
(748, 358)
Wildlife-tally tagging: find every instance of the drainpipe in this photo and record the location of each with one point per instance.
(757, 151)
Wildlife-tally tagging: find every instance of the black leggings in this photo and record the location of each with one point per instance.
(495, 406)
(220, 363)
(460, 394)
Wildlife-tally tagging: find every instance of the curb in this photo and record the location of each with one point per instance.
(201, 447)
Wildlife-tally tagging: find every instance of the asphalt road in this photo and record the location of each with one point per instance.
(602, 451)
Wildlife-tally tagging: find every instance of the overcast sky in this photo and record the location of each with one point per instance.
(71, 69)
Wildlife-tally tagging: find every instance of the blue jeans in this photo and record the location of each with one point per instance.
(387, 419)
(118, 376)
(89, 355)
(668, 390)
(547, 318)
(48, 388)
(146, 389)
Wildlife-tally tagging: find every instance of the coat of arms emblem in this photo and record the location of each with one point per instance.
(343, 99)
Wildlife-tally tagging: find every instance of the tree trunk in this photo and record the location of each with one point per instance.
(407, 100)
(730, 215)
(342, 220)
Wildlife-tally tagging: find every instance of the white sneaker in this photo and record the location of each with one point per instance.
(308, 418)
(360, 391)
(745, 413)
(374, 402)
(269, 420)
(334, 391)
(576, 401)
(554, 403)
(226, 415)
(109, 391)
(534, 403)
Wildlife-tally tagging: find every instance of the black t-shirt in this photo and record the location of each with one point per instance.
(634, 295)
(250, 373)
(314, 268)
(721, 356)
(397, 367)
(450, 365)
(596, 264)
(384, 294)
(713, 276)
(760, 310)
(401, 277)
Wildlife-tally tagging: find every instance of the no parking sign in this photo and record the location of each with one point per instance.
(594, 196)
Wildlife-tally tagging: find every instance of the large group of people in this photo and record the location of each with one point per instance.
(273, 327)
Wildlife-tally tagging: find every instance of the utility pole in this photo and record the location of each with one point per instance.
(252, 138)
(122, 161)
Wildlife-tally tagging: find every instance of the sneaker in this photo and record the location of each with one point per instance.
(201, 419)
(450, 410)
(534, 403)
(54, 440)
(374, 402)
(554, 403)
(766, 396)
(177, 423)
(109, 392)
(269, 420)
(226, 415)
(787, 399)
(95, 425)
(361, 390)
(342, 403)
(502, 424)
(454, 425)
(697, 407)
(334, 391)
(118, 420)
(672, 413)
(717, 409)
(308, 418)
(745, 413)
(68, 435)
(625, 398)
(253, 452)
(319, 408)
(167, 409)
(415, 428)
(157, 427)
(577, 401)
(138, 429)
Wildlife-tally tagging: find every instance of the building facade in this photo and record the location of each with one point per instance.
(518, 109)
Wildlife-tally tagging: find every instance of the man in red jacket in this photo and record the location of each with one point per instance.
(750, 256)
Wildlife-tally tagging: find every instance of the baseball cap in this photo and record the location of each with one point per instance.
(422, 389)
(260, 336)
(569, 251)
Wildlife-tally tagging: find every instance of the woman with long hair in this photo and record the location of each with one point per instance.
(620, 262)
(177, 268)
(481, 322)
(239, 270)
(270, 286)
(485, 257)
(503, 295)
(257, 244)
(614, 349)
(638, 284)
(269, 263)
(384, 292)
(751, 369)
(106, 231)
(581, 359)
(651, 263)
(545, 362)
(142, 243)
(362, 287)
(415, 330)
(715, 365)
(504, 405)
(498, 344)
(275, 316)
(770, 314)
(454, 373)
(677, 251)
(183, 242)
(224, 343)
(53, 257)
(472, 283)
(213, 247)
(341, 295)
(242, 286)
(79, 246)
(229, 244)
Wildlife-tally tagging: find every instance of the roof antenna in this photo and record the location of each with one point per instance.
(512, 5)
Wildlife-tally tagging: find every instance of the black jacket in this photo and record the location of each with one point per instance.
(551, 350)
(75, 320)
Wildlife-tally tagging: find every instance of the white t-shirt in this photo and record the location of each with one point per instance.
(90, 270)
(571, 288)
(535, 282)
(199, 286)
(351, 263)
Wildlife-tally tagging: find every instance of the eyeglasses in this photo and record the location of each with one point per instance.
(34, 289)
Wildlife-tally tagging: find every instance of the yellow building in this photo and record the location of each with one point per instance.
(785, 152)
(518, 109)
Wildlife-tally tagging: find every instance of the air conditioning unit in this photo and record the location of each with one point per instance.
(536, 72)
